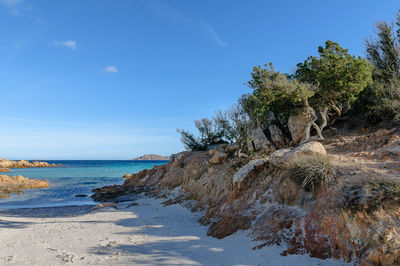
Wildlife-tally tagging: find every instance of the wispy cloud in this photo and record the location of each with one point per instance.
(14, 6)
(111, 69)
(210, 31)
(167, 12)
(41, 121)
(67, 44)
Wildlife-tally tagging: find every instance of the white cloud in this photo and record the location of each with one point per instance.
(166, 12)
(111, 69)
(210, 31)
(11, 3)
(14, 6)
(67, 44)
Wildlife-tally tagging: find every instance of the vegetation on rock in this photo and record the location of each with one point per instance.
(371, 195)
(311, 171)
(322, 89)
(225, 127)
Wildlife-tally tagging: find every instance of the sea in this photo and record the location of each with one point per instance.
(72, 178)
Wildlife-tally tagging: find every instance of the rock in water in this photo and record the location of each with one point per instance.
(18, 183)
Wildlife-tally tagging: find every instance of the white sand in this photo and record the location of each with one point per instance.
(147, 234)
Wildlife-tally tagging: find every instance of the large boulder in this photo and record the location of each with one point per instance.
(232, 148)
(258, 140)
(243, 174)
(276, 135)
(284, 157)
(297, 125)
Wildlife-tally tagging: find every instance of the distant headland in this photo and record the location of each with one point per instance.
(151, 157)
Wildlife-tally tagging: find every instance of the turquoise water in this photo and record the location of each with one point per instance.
(71, 179)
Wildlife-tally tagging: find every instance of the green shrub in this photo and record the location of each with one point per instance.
(323, 88)
(382, 98)
(311, 171)
(210, 134)
(227, 126)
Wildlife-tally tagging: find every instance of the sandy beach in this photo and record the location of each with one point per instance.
(146, 234)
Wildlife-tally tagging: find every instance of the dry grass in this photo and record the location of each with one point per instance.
(371, 195)
(311, 171)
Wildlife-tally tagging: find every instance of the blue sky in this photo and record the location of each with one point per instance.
(114, 79)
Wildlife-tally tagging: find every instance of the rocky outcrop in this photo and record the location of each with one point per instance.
(17, 184)
(276, 135)
(218, 157)
(283, 157)
(4, 170)
(242, 176)
(256, 193)
(151, 157)
(297, 125)
(258, 140)
(4, 163)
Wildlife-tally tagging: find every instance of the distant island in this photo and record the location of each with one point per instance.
(151, 157)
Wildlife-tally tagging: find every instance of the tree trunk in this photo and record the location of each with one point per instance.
(324, 117)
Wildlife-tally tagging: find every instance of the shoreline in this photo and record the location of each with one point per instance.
(148, 233)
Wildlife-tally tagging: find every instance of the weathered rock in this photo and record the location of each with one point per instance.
(218, 157)
(4, 163)
(18, 183)
(276, 135)
(246, 194)
(105, 205)
(126, 176)
(4, 170)
(212, 152)
(219, 147)
(132, 204)
(232, 148)
(177, 156)
(240, 176)
(258, 140)
(229, 225)
(297, 124)
(284, 157)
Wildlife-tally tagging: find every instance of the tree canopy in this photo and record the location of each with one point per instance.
(340, 77)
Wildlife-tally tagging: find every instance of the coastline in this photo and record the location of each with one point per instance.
(148, 233)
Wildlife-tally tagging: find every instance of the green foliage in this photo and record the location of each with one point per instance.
(210, 133)
(190, 141)
(322, 87)
(340, 77)
(274, 92)
(225, 127)
(233, 123)
(382, 98)
(311, 171)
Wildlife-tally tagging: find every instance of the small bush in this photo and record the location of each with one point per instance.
(311, 171)
(225, 127)
(371, 195)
